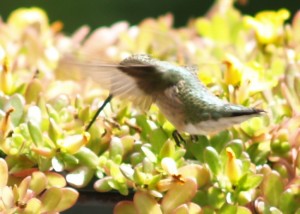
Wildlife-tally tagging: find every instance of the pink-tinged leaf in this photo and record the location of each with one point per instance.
(38, 182)
(165, 184)
(55, 179)
(69, 198)
(72, 144)
(24, 172)
(125, 207)
(182, 209)
(43, 151)
(34, 205)
(194, 208)
(145, 203)
(51, 198)
(196, 171)
(180, 193)
(23, 187)
(3, 173)
(80, 34)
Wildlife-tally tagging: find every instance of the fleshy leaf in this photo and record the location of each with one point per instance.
(272, 187)
(80, 177)
(179, 194)
(149, 154)
(3, 173)
(124, 207)
(197, 172)
(16, 102)
(102, 185)
(145, 203)
(212, 158)
(55, 180)
(35, 133)
(34, 205)
(38, 182)
(51, 198)
(182, 209)
(69, 198)
(196, 147)
(249, 181)
(87, 157)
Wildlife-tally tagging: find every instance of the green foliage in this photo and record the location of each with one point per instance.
(252, 167)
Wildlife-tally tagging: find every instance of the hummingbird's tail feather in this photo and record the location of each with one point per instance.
(226, 121)
(247, 111)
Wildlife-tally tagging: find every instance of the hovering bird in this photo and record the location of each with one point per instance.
(176, 90)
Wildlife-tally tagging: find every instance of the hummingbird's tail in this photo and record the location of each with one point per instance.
(247, 111)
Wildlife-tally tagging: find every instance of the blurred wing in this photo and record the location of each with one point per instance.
(109, 76)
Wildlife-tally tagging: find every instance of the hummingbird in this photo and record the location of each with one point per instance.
(177, 91)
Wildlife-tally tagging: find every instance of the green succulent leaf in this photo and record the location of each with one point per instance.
(212, 158)
(249, 181)
(228, 209)
(38, 182)
(288, 203)
(195, 171)
(87, 157)
(33, 90)
(216, 197)
(157, 138)
(218, 141)
(167, 150)
(102, 185)
(51, 198)
(35, 133)
(116, 149)
(149, 154)
(272, 187)
(34, 205)
(16, 102)
(54, 131)
(80, 176)
(196, 148)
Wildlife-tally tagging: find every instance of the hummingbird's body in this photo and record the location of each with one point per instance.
(176, 90)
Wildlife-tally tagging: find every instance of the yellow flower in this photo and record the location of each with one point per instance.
(239, 74)
(233, 72)
(233, 168)
(24, 17)
(268, 25)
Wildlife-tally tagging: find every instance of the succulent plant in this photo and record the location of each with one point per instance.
(252, 167)
(37, 193)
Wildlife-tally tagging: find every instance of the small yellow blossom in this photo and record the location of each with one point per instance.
(233, 169)
(268, 25)
(6, 79)
(24, 17)
(233, 73)
(239, 74)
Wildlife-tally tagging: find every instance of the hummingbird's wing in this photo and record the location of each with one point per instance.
(122, 80)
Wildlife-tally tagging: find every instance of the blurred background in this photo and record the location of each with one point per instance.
(97, 13)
